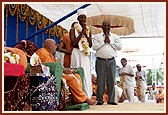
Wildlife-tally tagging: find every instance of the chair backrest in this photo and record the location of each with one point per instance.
(80, 71)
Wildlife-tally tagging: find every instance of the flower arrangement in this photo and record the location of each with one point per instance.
(35, 64)
(35, 60)
(84, 42)
(11, 58)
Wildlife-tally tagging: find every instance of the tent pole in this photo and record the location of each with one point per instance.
(56, 22)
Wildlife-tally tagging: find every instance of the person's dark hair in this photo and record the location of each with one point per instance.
(106, 21)
(124, 59)
(72, 26)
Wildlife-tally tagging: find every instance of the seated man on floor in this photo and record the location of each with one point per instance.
(73, 79)
(159, 96)
(120, 96)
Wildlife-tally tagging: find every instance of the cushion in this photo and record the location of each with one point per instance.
(82, 106)
(12, 70)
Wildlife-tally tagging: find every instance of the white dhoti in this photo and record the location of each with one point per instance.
(78, 59)
(130, 94)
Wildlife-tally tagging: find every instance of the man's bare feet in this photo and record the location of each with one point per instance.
(91, 101)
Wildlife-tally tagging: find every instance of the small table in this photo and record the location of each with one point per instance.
(16, 85)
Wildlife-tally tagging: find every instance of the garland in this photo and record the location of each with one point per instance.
(12, 9)
(11, 58)
(57, 31)
(53, 30)
(60, 32)
(84, 41)
(23, 11)
(45, 22)
(32, 17)
(139, 86)
(122, 83)
(39, 22)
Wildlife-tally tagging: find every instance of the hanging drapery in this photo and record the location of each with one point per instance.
(36, 31)
(31, 20)
(53, 30)
(13, 9)
(121, 25)
(17, 19)
(27, 27)
(45, 22)
(6, 23)
(49, 29)
(59, 32)
(23, 11)
(32, 17)
(39, 21)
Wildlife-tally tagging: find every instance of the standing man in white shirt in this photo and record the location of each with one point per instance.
(106, 45)
(127, 72)
(142, 74)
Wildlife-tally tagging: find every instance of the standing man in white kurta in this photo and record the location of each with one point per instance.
(106, 45)
(127, 72)
(81, 40)
(141, 73)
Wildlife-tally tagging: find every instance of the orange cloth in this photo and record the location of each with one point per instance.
(23, 58)
(76, 90)
(45, 56)
(67, 45)
(94, 87)
(105, 97)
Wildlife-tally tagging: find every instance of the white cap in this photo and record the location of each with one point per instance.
(81, 12)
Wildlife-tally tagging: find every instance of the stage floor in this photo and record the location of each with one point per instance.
(148, 107)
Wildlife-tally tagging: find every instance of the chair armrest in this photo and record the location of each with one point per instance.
(80, 71)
